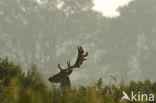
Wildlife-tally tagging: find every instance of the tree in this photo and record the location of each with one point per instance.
(8, 71)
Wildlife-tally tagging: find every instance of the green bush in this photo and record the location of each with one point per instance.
(19, 87)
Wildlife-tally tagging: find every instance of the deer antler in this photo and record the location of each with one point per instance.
(60, 67)
(80, 58)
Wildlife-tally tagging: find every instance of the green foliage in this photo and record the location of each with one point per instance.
(99, 83)
(18, 87)
(8, 70)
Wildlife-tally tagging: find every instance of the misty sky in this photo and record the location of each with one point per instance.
(109, 7)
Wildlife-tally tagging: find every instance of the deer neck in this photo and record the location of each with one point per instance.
(66, 83)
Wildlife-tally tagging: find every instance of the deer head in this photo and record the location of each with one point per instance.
(63, 76)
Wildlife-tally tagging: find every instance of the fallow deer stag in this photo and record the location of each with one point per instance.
(63, 76)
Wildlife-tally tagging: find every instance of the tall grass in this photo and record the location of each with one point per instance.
(28, 88)
(39, 93)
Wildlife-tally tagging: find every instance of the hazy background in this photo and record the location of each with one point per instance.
(120, 37)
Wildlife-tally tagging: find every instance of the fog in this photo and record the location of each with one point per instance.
(48, 32)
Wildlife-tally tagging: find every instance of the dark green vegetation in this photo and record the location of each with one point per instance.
(19, 87)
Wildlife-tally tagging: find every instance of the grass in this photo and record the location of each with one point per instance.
(18, 87)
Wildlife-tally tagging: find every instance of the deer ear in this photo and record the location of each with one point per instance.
(69, 72)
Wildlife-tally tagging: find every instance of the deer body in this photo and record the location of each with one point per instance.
(63, 76)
